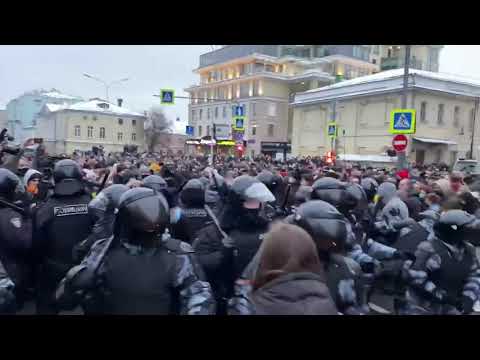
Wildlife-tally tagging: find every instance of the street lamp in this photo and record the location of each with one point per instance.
(107, 85)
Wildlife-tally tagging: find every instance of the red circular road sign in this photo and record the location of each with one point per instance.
(400, 142)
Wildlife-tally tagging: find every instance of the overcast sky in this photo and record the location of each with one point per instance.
(149, 68)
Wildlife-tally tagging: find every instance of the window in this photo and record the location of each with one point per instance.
(456, 116)
(90, 131)
(216, 112)
(193, 114)
(224, 110)
(374, 61)
(254, 108)
(200, 130)
(208, 114)
(102, 133)
(134, 122)
(441, 109)
(120, 121)
(94, 118)
(270, 130)
(120, 136)
(85, 117)
(134, 137)
(208, 130)
(471, 123)
(200, 114)
(423, 111)
(376, 49)
(272, 109)
(77, 130)
(254, 130)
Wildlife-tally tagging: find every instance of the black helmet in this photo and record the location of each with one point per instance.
(325, 224)
(370, 186)
(456, 226)
(248, 188)
(143, 211)
(270, 180)
(111, 196)
(359, 194)
(8, 183)
(303, 194)
(67, 169)
(193, 193)
(335, 193)
(155, 182)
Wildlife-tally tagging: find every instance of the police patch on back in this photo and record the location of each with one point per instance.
(80, 209)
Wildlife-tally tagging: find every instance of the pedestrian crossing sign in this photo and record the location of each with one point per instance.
(332, 130)
(402, 121)
(167, 96)
(239, 123)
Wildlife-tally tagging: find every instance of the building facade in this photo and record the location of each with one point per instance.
(23, 111)
(446, 111)
(422, 57)
(67, 128)
(263, 79)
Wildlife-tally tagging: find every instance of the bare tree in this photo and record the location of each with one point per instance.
(156, 124)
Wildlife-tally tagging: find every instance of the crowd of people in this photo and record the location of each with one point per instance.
(149, 233)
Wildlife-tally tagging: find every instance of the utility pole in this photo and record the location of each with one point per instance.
(402, 156)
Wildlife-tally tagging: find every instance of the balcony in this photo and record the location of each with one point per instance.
(399, 62)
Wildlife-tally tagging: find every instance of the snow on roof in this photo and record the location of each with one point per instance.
(435, 141)
(59, 95)
(94, 106)
(390, 74)
(370, 158)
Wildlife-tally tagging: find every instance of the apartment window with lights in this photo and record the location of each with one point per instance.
(456, 116)
(134, 137)
(90, 131)
(270, 129)
(120, 121)
(423, 111)
(77, 130)
(102, 133)
(441, 110)
(120, 136)
(134, 122)
(199, 130)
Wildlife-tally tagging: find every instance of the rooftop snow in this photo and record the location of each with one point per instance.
(92, 106)
(371, 158)
(390, 74)
(58, 95)
(435, 141)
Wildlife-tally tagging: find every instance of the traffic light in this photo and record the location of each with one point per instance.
(330, 157)
(240, 147)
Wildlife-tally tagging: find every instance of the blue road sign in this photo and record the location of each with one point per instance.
(402, 121)
(189, 130)
(239, 123)
(239, 110)
(167, 96)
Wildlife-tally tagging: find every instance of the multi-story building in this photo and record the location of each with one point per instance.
(23, 111)
(66, 128)
(264, 79)
(422, 57)
(446, 106)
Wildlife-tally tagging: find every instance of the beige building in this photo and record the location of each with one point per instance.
(446, 108)
(264, 85)
(66, 128)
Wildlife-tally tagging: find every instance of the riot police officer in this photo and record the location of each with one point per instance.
(225, 248)
(7, 296)
(62, 222)
(445, 277)
(102, 210)
(191, 216)
(15, 237)
(136, 271)
(274, 183)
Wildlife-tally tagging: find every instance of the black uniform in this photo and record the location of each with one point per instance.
(191, 216)
(59, 224)
(15, 238)
(7, 295)
(139, 274)
(225, 258)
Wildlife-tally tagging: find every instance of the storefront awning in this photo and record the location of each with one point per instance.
(435, 141)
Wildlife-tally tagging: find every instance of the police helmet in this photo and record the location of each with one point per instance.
(325, 224)
(246, 187)
(303, 194)
(155, 182)
(334, 192)
(455, 226)
(67, 169)
(144, 210)
(8, 183)
(269, 179)
(193, 193)
(370, 186)
(359, 194)
(113, 194)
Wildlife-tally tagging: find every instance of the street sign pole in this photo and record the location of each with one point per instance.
(401, 156)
